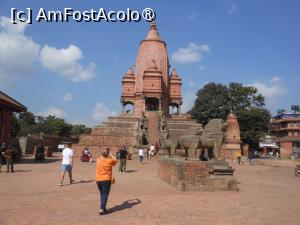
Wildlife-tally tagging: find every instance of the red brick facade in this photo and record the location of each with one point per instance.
(152, 87)
(193, 175)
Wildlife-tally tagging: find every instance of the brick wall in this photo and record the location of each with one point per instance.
(192, 175)
(286, 149)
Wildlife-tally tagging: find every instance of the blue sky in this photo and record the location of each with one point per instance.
(74, 70)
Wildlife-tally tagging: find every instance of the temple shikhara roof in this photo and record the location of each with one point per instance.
(152, 87)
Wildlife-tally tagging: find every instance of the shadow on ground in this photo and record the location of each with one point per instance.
(32, 161)
(131, 171)
(125, 205)
(80, 182)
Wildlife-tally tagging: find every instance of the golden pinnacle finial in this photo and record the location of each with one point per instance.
(153, 25)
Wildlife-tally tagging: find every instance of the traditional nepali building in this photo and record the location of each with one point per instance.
(285, 128)
(152, 87)
(8, 106)
(151, 90)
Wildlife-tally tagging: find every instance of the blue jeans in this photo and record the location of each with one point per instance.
(104, 189)
(10, 162)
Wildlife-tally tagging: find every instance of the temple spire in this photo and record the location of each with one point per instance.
(130, 71)
(153, 33)
(174, 73)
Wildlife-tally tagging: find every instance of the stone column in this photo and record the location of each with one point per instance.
(159, 104)
(179, 109)
(123, 107)
(144, 102)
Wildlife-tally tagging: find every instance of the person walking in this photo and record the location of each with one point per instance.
(141, 155)
(9, 155)
(122, 153)
(250, 157)
(2, 158)
(152, 150)
(238, 155)
(148, 153)
(104, 177)
(67, 164)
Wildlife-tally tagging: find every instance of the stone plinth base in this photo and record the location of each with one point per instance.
(228, 151)
(194, 175)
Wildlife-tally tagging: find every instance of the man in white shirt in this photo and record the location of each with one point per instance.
(67, 163)
(152, 150)
(141, 155)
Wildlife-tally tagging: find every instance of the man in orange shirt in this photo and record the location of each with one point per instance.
(104, 166)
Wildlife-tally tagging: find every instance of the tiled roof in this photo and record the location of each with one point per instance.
(12, 103)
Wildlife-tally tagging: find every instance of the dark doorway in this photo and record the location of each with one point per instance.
(152, 104)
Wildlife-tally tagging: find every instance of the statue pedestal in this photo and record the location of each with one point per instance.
(228, 151)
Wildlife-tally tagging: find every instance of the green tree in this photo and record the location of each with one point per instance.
(15, 128)
(59, 127)
(244, 97)
(212, 102)
(217, 100)
(26, 123)
(78, 129)
(253, 124)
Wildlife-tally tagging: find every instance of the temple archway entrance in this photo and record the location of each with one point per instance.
(173, 109)
(152, 104)
(128, 107)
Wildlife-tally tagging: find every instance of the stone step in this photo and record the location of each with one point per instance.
(114, 131)
(153, 127)
(120, 124)
(123, 118)
(183, 126)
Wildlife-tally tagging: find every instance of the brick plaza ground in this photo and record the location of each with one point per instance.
(269, 195)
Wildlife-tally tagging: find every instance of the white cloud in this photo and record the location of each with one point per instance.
(101, 112)
(53, 111)
(65, 62)
(67, 97)
(7, 25)
(272, 88)
(192, 53)
(188, 101)
(233, 9)
(18, 53)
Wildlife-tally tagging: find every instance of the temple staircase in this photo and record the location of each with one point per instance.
(153, 126)
(114, 132)
(179, 125)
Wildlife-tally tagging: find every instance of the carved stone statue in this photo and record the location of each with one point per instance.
(142, 130)
(212, 137)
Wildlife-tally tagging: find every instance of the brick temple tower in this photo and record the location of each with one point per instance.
(152, 87)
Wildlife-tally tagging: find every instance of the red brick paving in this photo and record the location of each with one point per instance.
(269, 195)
